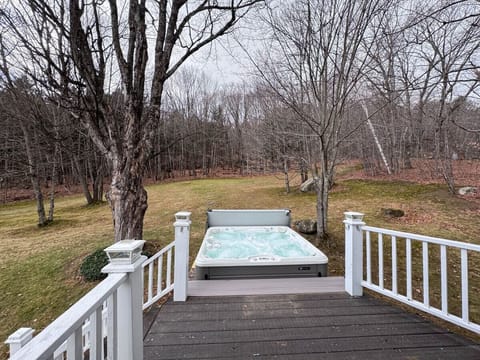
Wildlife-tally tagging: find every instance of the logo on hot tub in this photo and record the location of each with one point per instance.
(263, 258)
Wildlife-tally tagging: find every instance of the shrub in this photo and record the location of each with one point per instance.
(92, 264)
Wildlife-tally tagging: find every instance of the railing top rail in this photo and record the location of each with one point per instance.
(158, 254)
(423, 238)
(60, 329)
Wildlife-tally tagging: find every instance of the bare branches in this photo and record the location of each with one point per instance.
(190, 29)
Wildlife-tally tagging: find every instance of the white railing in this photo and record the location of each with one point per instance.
(68, 337)
(88, 335)
(389, 245)
(107, 323)
(154, 281)
(157, 280)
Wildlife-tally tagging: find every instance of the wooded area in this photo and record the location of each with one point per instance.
(97, 92)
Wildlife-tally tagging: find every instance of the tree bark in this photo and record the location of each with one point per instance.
(32, 172)
(322, 190)
(128, 201)
(83, 181)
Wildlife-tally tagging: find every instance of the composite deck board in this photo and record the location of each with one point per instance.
(433, 353)
(291, 323)
(265, 306)
(305, 326)
(260, 298)
(300, 333)
(239, 287)
(276, 313)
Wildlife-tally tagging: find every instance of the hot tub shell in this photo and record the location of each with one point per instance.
(262, 265)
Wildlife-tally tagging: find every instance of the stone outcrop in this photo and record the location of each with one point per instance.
(393, 213)
(467, 190)
(306, 226)
(307, 186)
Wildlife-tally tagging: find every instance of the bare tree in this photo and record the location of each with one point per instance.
(315, 62)
(83, 43)
(25, 110)
(449, 50)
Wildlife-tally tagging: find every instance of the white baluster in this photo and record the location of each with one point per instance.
(394, 266)
(426, 275)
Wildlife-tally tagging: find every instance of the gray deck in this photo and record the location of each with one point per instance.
(296, 326)
(284, 286)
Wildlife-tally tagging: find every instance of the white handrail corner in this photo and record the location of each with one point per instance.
(353, 271)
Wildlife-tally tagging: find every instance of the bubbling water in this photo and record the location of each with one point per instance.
(247, 243)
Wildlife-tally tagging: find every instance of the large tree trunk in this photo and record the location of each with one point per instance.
(128, 201)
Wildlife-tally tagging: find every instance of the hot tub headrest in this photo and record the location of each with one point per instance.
(270, 217)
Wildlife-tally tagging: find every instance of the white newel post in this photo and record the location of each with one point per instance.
(125, 257)
(19, 339)
(353, 253)
(182, 239)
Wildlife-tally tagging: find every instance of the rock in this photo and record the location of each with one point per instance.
(393, 213)
(467, 190)
(307, 186)
(307, 226)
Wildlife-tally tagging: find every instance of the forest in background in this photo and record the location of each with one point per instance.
(385, 82)
(211, 131)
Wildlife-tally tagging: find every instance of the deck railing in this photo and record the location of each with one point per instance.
(107, 323)
(157, 279)
(388, 252)
(66, 337)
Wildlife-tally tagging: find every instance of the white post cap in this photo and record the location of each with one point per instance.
(183, 216)
(123, 255)
(353, 216)
(21, 336)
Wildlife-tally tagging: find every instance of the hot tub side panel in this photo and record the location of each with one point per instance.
(264, 271)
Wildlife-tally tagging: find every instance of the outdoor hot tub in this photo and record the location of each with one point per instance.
(256, 244)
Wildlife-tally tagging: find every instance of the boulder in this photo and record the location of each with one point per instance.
(307, 186)
(467, 190)
(306, 226)
(393, 213)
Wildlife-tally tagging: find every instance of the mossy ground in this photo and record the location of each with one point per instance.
(39, 266)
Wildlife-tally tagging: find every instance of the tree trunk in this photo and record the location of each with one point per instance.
(286, 178)
(128, 201)
(322, 189)
(52, 185)
(33, 174)
(98, 187)
(83, 181)
(303, 171)
(444, 158)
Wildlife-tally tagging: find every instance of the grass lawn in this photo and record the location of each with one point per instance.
(39, 266)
